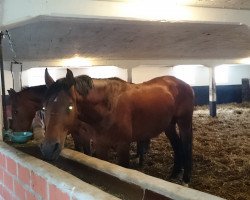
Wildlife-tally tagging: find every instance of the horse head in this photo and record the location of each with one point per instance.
(21, 111)
(60, 114)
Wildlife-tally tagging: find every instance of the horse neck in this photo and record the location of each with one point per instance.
(35, 96)
(106, 90)
(101, 99)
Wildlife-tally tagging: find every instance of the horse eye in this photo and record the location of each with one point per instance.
(70, 107)
(15, 112)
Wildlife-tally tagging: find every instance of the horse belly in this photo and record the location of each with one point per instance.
(152, 114)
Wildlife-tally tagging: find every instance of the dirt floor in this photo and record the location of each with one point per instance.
(221, 152)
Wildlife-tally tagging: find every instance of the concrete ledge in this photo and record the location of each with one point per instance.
(50, 176)
(150, 185)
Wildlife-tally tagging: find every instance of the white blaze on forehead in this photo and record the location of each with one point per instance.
(55, 100)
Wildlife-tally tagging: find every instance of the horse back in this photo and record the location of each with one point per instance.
(148, 108)
(183, 95)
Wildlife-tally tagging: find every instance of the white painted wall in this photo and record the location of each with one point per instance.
(195, 75)
(144, 73)
(231, 74)
(35, 76)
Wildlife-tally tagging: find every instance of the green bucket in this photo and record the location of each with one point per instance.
(18, 137)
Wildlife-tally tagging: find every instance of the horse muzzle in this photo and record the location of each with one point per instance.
(50, 150)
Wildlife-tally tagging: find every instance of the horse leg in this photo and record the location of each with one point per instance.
(175, 142)
(86, 146)
(77, 143)
(85, 142)
(85, 134)
(186, 135)
(101, 150)
(142, 148)
(123, 154)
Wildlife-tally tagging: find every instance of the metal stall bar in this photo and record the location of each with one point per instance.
(5, 122)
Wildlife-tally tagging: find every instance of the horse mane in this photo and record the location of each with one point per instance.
(33, 94)
(116, 79)
(82, 84)
(113, 86)
(36, 89)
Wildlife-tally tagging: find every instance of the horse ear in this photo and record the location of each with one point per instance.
(11, 92)
(48, 79)
(70, 78)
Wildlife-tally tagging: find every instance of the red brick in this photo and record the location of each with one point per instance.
(2, 160)
(14, 197)
(29, 196)
(6, 194)
(55, 193)
(19, 190)
(1, 190)
(23, 174)
(1, 175)
(11, 166)
(39, 185)
(8, 181)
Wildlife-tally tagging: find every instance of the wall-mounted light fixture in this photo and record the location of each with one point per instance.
(76, 61)
(245, 61)
(158, 9)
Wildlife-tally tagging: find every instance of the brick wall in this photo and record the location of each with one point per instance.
(23, 177)
(18, 182)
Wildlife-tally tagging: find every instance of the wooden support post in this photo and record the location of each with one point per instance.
(212, 92)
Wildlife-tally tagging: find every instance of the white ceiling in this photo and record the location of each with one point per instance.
(114, 39)
(226, 4)
(120, 39)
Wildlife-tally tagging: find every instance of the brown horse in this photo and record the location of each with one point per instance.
(24, 105)
(119, 113)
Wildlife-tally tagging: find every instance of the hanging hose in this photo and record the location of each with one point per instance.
(2, 34)
(21, 70)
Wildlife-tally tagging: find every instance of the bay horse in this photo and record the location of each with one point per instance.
(119, 113)
(24, 105)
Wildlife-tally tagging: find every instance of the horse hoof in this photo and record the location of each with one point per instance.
(134, 156)
(177, 175)
(185, 184)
